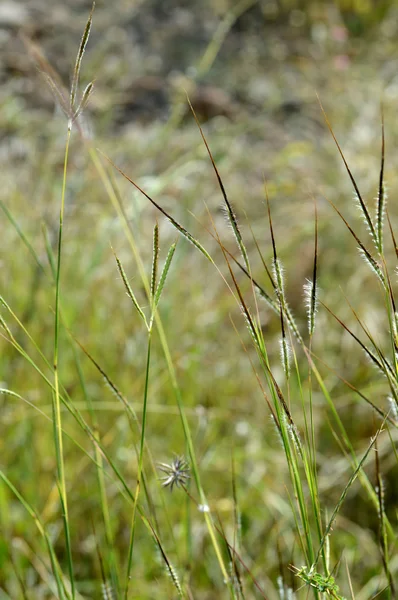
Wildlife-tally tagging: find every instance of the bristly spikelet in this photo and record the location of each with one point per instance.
(79, 57)
(250, 326)
(285, 355)
(174, 577)
(130, 292)
(293, 432)
(379, 489)
(373, 265)
(107, 591)
(311, 301)
(381, 206)
(288, 313)
(163, 276)
(394, 332)
(365, 217)
(394, 325)
(155, 258)
(278, 274)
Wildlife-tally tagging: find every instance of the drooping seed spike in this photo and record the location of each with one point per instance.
(164, 274)
(79, 57)
(130, 292)
(155, 258)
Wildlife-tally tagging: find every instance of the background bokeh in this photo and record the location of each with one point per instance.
(252, 70)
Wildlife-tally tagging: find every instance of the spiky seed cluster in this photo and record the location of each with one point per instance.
(176, 474)
(373, 265)
(311, 300)
(279, 280)
(107, 592)
(285, 355)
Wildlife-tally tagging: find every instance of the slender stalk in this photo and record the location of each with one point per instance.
(140, 464)
(56, 395)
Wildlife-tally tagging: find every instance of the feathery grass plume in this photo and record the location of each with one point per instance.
(164, 274)
(279, 278)
(382, 196)
(155, 260)
(362, 204)
(311, 287)
(230, 212)
(130, 292)
(285, 351)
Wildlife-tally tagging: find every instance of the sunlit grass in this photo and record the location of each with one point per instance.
(280, 403)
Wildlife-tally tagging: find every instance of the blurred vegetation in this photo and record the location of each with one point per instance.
(252, 70)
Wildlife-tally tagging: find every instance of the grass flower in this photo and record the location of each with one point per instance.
(176, 473)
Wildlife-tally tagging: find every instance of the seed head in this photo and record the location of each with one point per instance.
(177, 473)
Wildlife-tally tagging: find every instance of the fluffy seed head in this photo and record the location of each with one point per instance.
(176, 473)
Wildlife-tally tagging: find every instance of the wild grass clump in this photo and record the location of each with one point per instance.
(254, 502)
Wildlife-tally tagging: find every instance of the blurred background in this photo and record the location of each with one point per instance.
(252, 70)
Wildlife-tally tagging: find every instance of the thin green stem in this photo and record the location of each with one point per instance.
(56, 396)
(140, 464)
